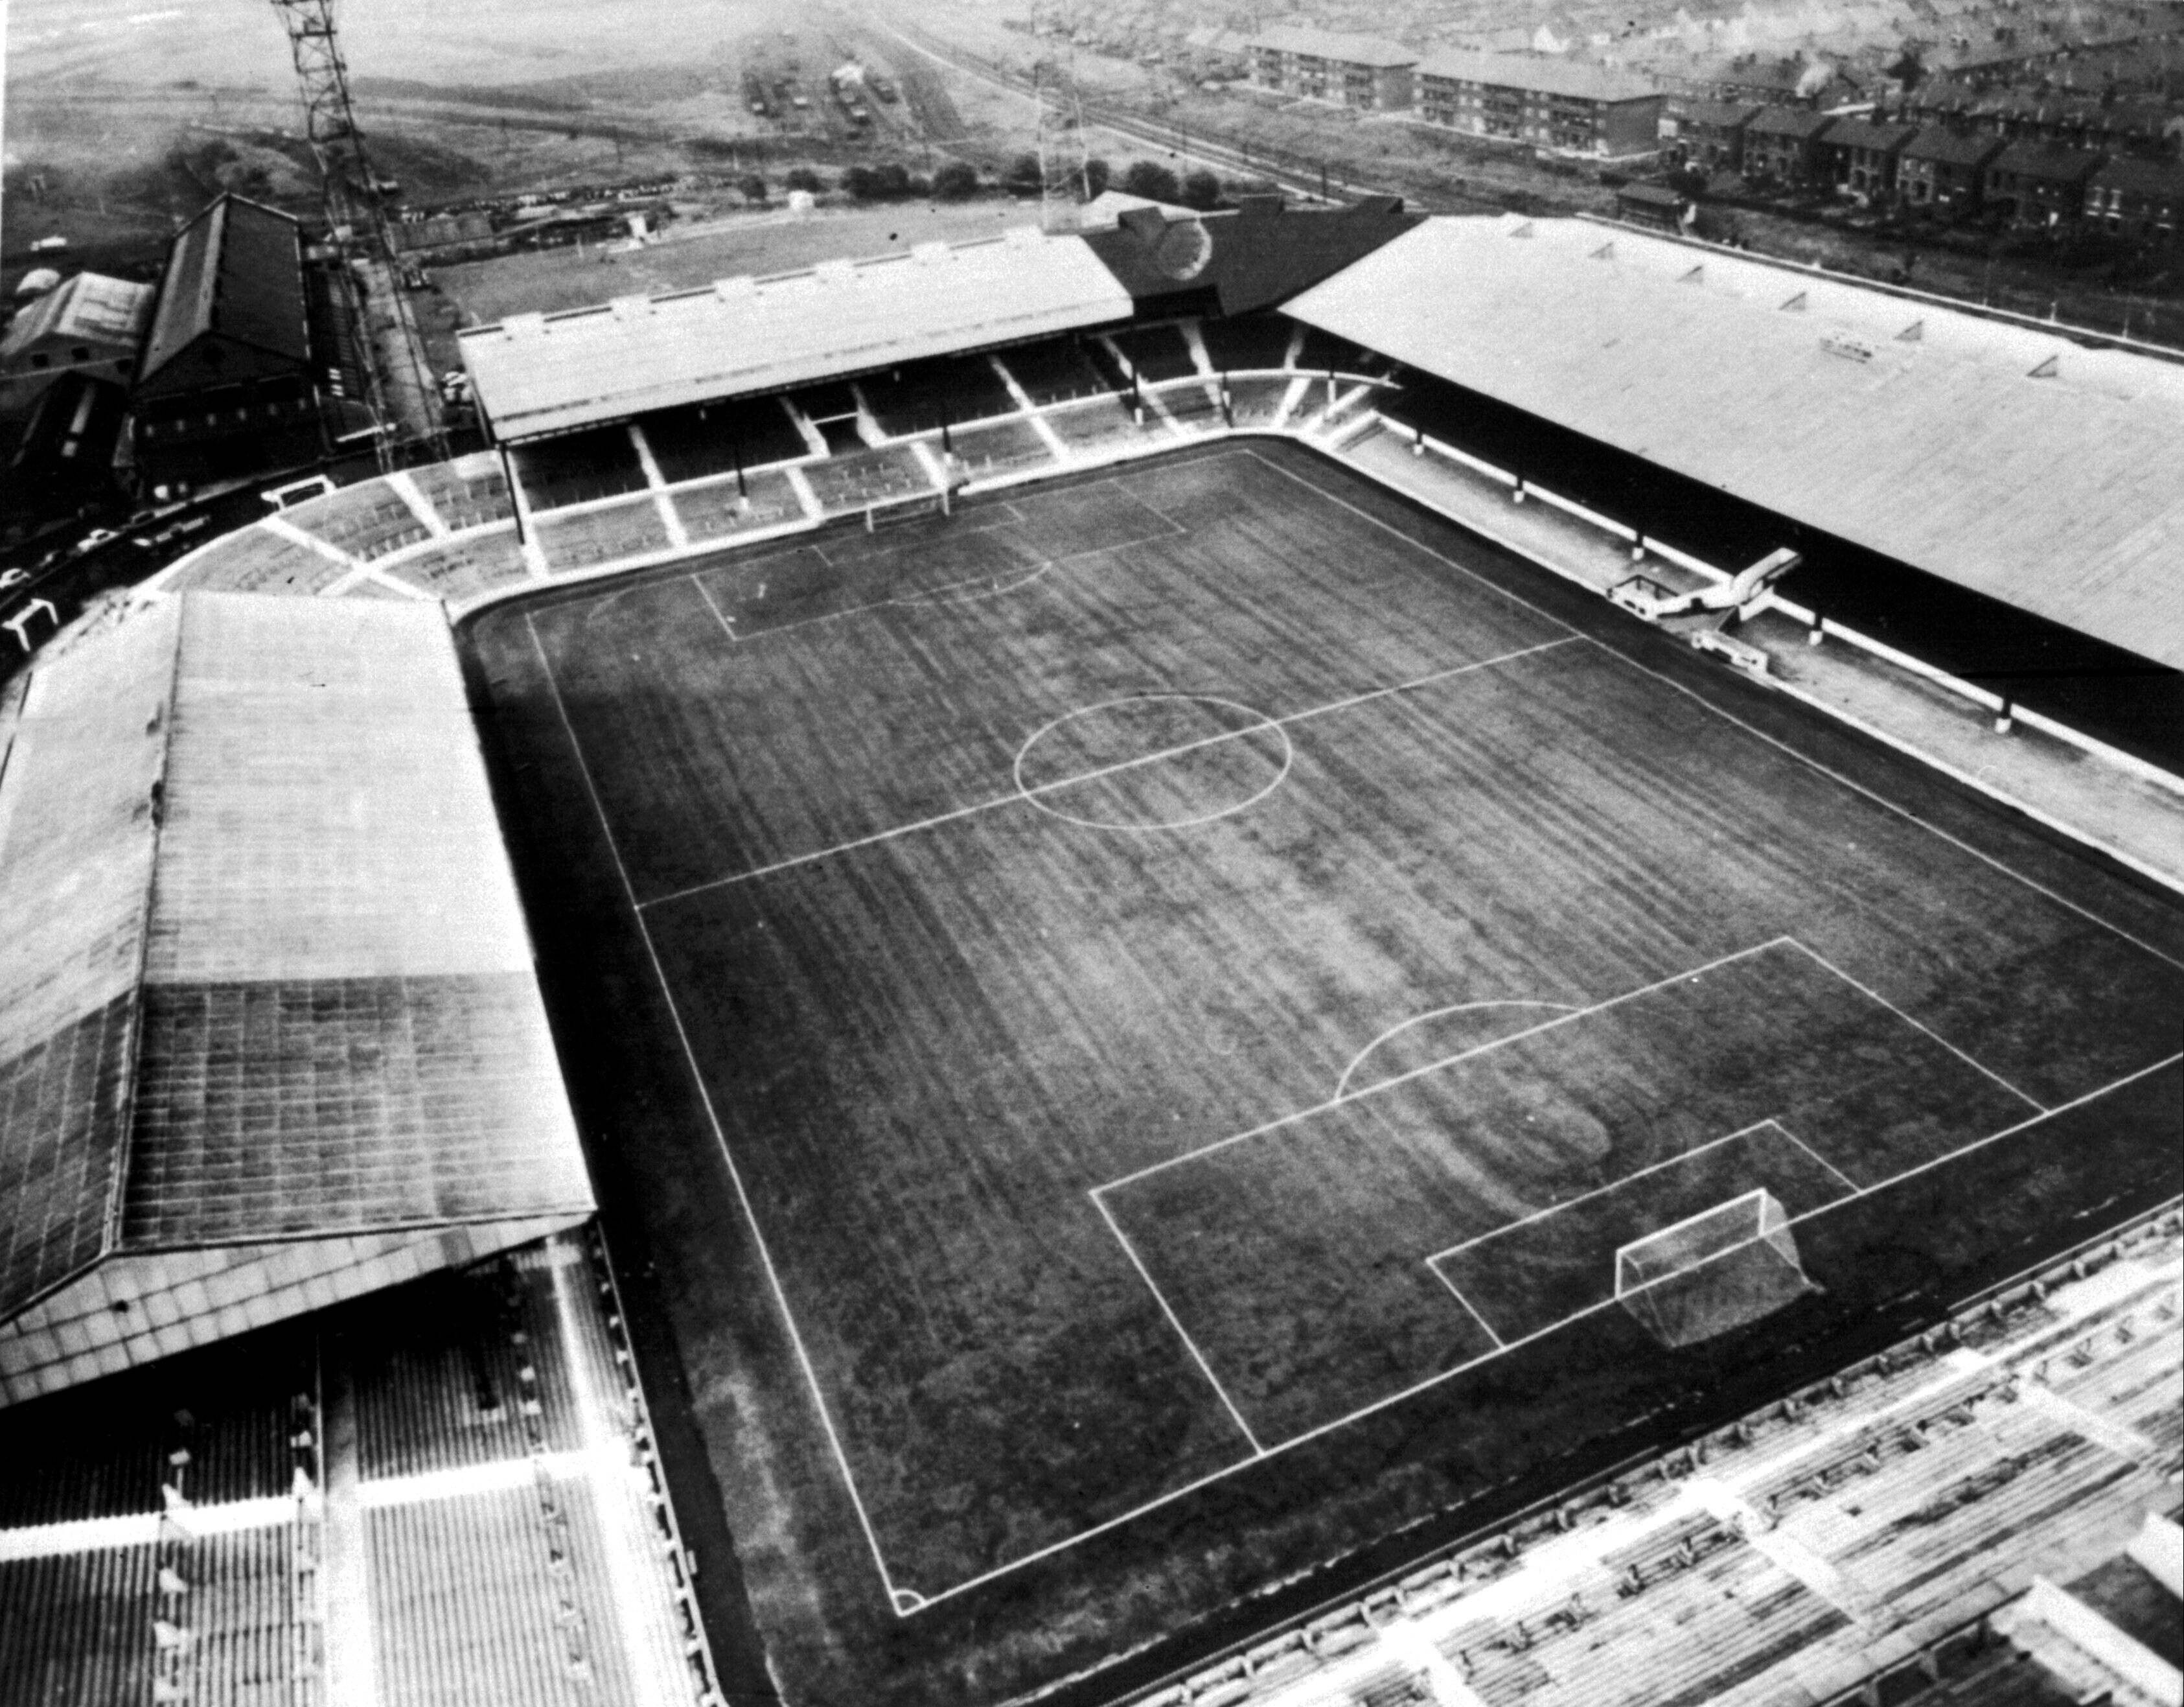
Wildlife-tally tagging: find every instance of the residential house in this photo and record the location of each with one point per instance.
(2039, 183)
(1783, 143)
(2140, 199)
(1707, 135)
(1945, 171)
(1861, 155)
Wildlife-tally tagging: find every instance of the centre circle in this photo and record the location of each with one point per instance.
(1153, 762)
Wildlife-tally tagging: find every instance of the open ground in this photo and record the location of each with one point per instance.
(1132, 1021)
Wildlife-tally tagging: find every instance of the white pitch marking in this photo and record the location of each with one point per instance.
(1616, 1184)
(1883, 802)
(1472, 1309)
(1813, 1153)
(1342, 1085)
(727, 623)
(1420, 545)
(1440, 1376)
(1435, 1065)
(1182, 1333)
(713, 1119)
(1022, 793)
(1871, 995)
(1031, 794)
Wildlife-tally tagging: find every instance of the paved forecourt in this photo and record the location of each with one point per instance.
(1176, 965)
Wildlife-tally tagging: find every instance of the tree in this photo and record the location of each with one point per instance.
(956, 181)
(887, 183)
(1201, 190)
(1152, 181)
(804, 178)
(1023, 176)
(1097, 172)
(754, 190)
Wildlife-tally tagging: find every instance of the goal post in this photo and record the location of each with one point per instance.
(1721, 1269)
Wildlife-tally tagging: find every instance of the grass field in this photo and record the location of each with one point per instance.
(1188, 980)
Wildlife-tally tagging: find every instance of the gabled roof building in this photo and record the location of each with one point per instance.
(269, 1032)
(90, 325)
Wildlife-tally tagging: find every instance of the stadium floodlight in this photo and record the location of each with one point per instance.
(1723, 1267)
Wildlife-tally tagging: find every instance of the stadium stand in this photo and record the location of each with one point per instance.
(1257, 402)
(1322, 352)
(514, 1547)
(78, 1626)
(876, 475)
(470, 492)
(919, 396)
(1251, 341)
(256, 560)
(242, 1084)
(366, 521)
(578, 468)
(1105, 425)
(1155, 353)
(843, 436)
(1840, 1547)
(706, 439)
(823, 403)
(1001, 448)
(1057, 371)
(585, 538)
(478, 1373)
(717, 510)
(461, 569)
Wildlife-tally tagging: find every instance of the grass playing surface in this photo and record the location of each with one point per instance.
(1182, 971)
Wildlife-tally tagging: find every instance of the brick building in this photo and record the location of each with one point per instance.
(1784, 143)
(1707, 135)
(1549, 103)
(1944, 171)
(2140, 199)
(1361, 71)
(1861, 155)
(2040, 184)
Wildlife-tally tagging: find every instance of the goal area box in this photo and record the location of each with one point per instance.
(1722, 1268)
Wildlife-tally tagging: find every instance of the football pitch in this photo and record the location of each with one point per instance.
(1179, 967)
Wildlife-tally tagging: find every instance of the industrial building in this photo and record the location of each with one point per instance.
(242, 364)
(89, 325)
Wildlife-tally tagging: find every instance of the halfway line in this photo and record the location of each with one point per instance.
(1070, 781)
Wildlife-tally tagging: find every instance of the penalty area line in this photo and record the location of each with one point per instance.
(1190, 1345)
(1400, 1079)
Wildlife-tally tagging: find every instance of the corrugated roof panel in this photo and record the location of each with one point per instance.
(1942, 453)
(265, 962)
(235, 270)
(310, 1107)
(551, 374)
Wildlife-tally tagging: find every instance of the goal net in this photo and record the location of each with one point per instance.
(1718, 1269)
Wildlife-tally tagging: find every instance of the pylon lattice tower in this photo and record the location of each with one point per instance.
(329, 120)
(1063, 183)
(356, 223)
